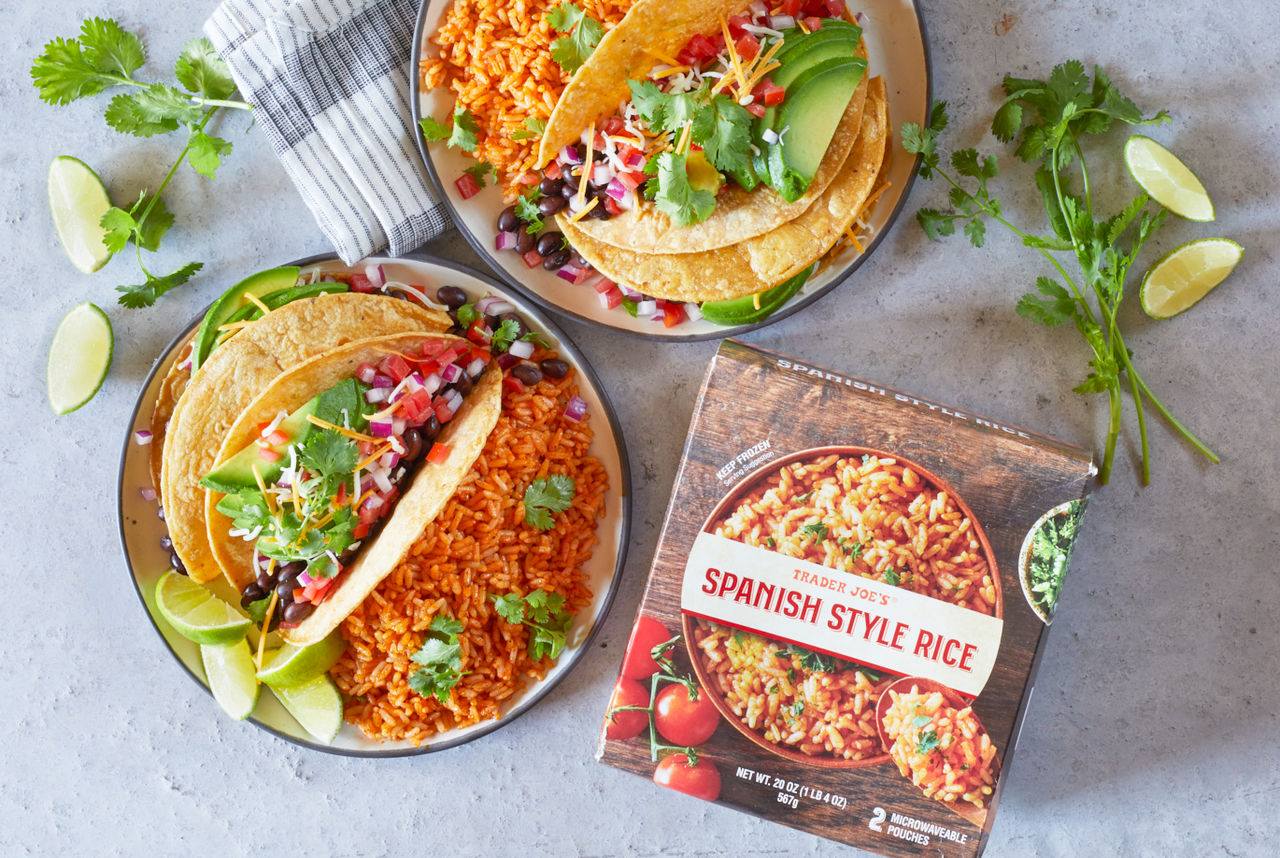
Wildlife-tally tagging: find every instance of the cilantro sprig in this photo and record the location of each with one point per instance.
(546, 495)
(584, 33)
(104, 55)
(1050, 119)
(462, 133)
(545, 615)
(440, 657)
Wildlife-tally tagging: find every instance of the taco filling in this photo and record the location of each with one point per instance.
(318, 483)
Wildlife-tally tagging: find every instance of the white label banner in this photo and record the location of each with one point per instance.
(847, 616)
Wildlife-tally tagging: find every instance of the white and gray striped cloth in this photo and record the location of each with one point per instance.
(329, 80)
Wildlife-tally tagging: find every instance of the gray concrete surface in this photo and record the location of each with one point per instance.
(1154, 728)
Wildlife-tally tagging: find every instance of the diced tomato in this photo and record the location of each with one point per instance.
(369, 515)
(769, 93)
(268, 455)
(612, 299)
(360, 531)
(598, 142)
(262, 427)
(361, 283)
(625, 152)
(553, 170)
(433, 348)
(277, 438)
(757, 110)
(511, 384)
(717, 45)
(396, 367)
(613, 125)
(529, 177)
(672, 314)
(700, 48)
(813, 23)
(604, 284)
(448, 356)
(792, 7)
(439, 452)
(481, 354)
(443, 414)
(479, 332)
(532, 259)
(417, 405)
(341, 497)
(833, 8)
(631, 180)
(747, 47)
(737, 25)
(611, 206)
(467, 186)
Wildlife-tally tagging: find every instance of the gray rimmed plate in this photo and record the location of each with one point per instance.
(897, 49)
(141, 529)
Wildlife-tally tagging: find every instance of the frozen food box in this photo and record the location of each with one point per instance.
(845, 612)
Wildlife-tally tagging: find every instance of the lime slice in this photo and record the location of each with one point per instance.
(229, 669)
(197, 614)
(1166, 179)
(316, 705)
(291, 665)
(78, 200)
(1187, 274)
(79, 357)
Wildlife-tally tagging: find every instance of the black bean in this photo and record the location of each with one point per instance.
(160, 513)
(296, 612)
(430, 429)
(569, 191)
(176, 562)
(292, 569)
(412, 440)
(600, 212)
(250, 594)
(166, 543)
(557, 260)
(549, 186)
(551, 205)
(267, 581)
(527, 373)
(462, 385)
(456, 329)
(451, 296)
(524, 241)
(508, 220)
(549, 242)
(554, 368)
(285, 589)
(521, 327)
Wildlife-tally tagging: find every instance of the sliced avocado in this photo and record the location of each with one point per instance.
(808, 120)
(795, 74)
(744, 310)
(237, 472)
(796, 42)
(232, 300)
(276, 300)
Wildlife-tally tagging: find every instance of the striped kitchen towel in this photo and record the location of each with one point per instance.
(329, 80)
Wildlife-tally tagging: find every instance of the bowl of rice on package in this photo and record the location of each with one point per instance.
(834, 634)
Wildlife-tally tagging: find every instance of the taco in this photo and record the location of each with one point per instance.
(314, 500)
(197, 407)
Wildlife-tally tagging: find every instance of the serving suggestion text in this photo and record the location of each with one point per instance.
(853, 618)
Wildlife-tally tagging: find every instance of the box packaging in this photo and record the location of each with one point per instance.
(858, 583)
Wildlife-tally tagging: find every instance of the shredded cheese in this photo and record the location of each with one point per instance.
(658, 55)
(377, 453)
(852, 234)
(235, 326)
(582, 212)
(266, 621)
(587, 164)
(350, 433)
(258, 303)
(733, 53)
(262, 487)
(755, 300)
(667, 72)
(683, 145)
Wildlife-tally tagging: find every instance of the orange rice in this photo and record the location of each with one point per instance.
(496, 57)
(478, 546)
(942, 749)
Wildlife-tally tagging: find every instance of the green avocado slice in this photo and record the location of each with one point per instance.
(808, 120)
(231, 301)
(743, 311)
(236, 473)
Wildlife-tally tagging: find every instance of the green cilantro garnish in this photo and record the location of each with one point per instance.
(720, 125)
(1050, 119)
(533, 127)
(527, 211)
(506, 334)
(536, 338)
(585, 32)
(441, 660)
(796, 708)
(465, 131)
(479, 171)
(630, 306)
(771, 542)
(816, 529)
(852, 549)
(920, 720)
(546, 495)
(927, 742)
(467, 314)
(545, 615)
(327, 453)
(813, 660)
(105, 55)
(675, 197)
(891, 576)
(434, 131)
(343, 405)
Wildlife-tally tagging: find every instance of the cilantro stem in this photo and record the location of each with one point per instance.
(221, 102)
(174, 169)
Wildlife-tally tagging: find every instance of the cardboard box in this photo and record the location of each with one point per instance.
(857, 586)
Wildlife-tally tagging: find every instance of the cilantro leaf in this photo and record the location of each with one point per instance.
(206, 153)
(479, 171)
(543, 612)
(510, 607)
(465, 131)
(585, 32)
(149, 230)
(432, 130)
(527, 211)
(327, 453)
(816, 529)
(105, 54)
(727, 144)
(891, 576)
(441, 658)
(145, 294)
(675, 197)
(927, 742)
(125, 114)
(200, 69)
(504, 336)
(119, 225)
(533, 127)
(546, 495)
(467, 314)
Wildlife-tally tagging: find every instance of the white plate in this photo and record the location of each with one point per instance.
(897, 50)
(141, 529)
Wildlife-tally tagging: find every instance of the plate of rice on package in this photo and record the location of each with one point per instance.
(670, 168)
(376, 509)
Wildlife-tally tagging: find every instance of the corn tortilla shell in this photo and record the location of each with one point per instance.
(235, 374)
(766, 260)
(420, 501)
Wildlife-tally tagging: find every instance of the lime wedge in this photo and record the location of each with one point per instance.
(1166, 179)
(197, 614)
(79, 357)
(291, 665)
(1187, 274)
(78, 200)
(229, 669)
(316, 705)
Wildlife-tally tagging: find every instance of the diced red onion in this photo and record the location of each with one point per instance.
(616, 189)
(629, 292)
(414, 381)
(284, 481)
(859, 17)
(781, 22)
(605, 300)
(601, 174)
(759, 9)
(376, 395)
(646, 308)
(455, 401)
(381, 480)
(414, 291)
(521, 349)
(569, 272)
(505, 241)
(475, 367)
(186, 364)
(397, 445)
(148, 493)
(398, 426)
(571, 155)
(372, 502)
(367, 374)
(383, 381)
(507, 360)
(576, 409)
(693, 311)
(483, 305)
(451, 373)
(142, 437)
(389, 460)
(432, 383)
(635, 161)
(375, 274)
(381, 428)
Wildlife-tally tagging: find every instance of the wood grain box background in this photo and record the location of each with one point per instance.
(1007, 475)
